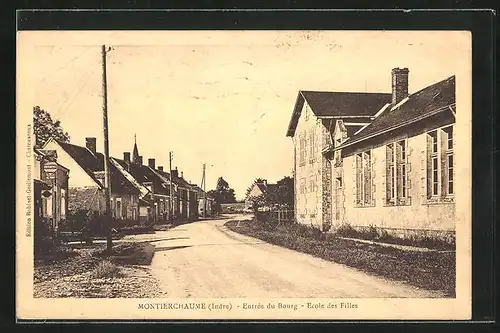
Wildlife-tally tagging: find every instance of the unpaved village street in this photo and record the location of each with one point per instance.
(204, 259)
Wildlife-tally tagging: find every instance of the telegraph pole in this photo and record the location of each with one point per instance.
(171, 179)
(107, 183)
(204, 193)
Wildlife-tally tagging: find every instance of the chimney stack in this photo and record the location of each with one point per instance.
(160, 168)
(151, 163)
(182, 174)
(175, 173)
(139, 160)
(126, 157)
(399, 84)
(91, 144)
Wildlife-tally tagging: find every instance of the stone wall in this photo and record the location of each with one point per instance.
(326, 193)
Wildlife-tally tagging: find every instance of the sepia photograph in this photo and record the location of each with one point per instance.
(244, 174)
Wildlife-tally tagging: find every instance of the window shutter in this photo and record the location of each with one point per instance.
(399, 178)
(408, 170)
(443, 142)
(426, 183)
(372, 170)
(388, 178)
(354, 179)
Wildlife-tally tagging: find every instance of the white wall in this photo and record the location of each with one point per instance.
(78, 177)
(309, 203)
(418, 215)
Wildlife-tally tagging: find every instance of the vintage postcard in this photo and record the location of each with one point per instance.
(244, 175)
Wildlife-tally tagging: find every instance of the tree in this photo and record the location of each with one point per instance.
(45, 128)
(285, 195)
(226, 194)
(222, 194)
(279, 195)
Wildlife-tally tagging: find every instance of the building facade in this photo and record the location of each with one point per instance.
(87, 183)
(386, 161)
(50, 190)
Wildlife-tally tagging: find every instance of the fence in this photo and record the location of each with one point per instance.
(279, 216)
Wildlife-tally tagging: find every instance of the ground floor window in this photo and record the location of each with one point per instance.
(364, 179)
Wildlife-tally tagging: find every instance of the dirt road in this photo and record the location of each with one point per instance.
(204, 259)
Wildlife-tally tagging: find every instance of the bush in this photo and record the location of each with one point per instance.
(77, 220)
(43, 238)
(106, 269)
(346, 230)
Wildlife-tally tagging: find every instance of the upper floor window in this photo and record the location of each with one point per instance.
(312, 147)
(302, 150)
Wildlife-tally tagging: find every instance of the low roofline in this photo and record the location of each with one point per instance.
(414, 120)
(91, 176)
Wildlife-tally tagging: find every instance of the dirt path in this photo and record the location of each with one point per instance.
(204, 259)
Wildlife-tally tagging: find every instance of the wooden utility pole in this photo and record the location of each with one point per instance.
(107, 182)
(171, 208)
(204, 193)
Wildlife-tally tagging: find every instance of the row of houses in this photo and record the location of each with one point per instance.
(376, 159)
(69, 178)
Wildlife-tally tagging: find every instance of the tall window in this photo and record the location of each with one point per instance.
(364, 191)
(311, 183)
(312, 147)
(440, 160)
(302, 150)
(63, 203)
(302, 187)
(397, 173)
(434, 163)
(448, 143)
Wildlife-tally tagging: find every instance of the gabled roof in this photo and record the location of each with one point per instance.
(183, 183)
(436, 98)
(326, 104)
(91, 164)
(85, 159)
(266, 187)
(143, 173)
(261, 186)
(142, 189)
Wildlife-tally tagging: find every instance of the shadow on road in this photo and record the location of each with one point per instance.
(168, 248)
(160, 240)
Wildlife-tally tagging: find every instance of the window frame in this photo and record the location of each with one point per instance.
(440, 165)
(364, 183)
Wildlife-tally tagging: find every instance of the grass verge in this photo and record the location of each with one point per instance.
(431, 270)
(129, 253)
(90, 273)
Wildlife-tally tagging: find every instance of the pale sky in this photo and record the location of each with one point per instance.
(219, 97)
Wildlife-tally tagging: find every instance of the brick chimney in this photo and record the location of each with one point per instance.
(175, 173)
(126, 157)
(160, 168)
(399, 84)
(139, 160)
(151, 163)
(182, 174)
(91, 144)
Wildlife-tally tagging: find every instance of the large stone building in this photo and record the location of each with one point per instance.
(372, 159)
